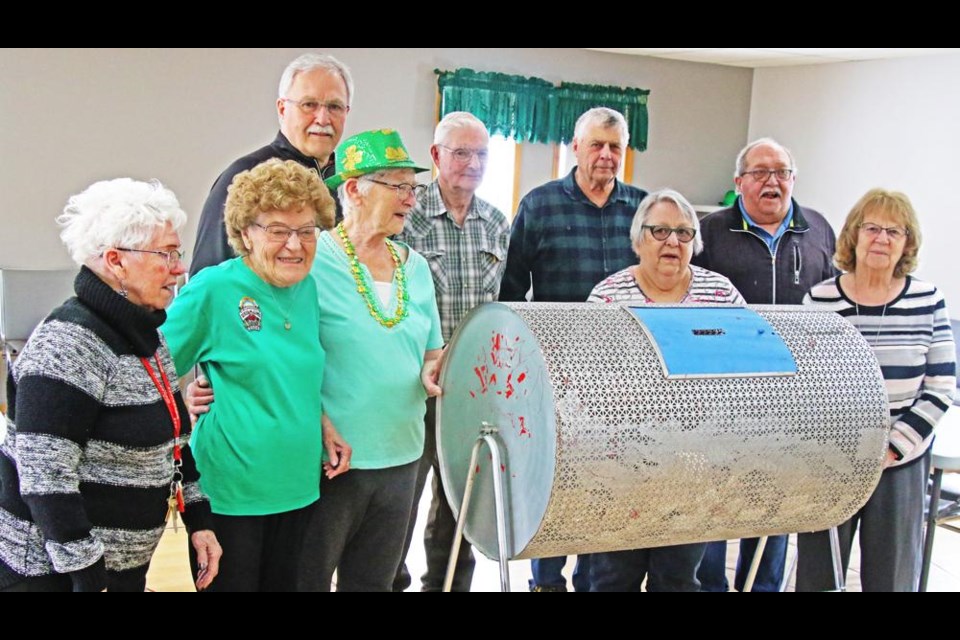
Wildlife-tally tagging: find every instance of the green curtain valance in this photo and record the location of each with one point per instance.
(535, 110)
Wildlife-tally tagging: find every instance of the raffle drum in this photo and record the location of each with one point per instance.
(624, 427)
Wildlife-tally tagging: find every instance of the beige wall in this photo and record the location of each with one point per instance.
(70, 117)
(887, 123)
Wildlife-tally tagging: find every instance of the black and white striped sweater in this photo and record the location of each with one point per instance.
(86, 467)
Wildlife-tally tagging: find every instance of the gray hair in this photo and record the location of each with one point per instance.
(311, 61)
(665, 195)
(117, 213)
(456, 120)
(741, 163)
(606, 118)
(363, 186)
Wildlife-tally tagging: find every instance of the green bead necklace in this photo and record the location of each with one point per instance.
(366, 291)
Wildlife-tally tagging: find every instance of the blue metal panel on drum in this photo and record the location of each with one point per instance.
(695, 342)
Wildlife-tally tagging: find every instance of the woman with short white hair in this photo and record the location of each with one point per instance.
(95, 463)
(665, 236)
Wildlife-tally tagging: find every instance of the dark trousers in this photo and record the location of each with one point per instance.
(547, 574)
(672, 568)
(359, 529)
(441, 525)
(260, 553)
(55, 582)
(891, 536)
(712, 572)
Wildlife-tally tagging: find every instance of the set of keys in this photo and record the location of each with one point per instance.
(175, 504)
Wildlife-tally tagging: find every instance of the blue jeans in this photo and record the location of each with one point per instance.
(672, 568)
(712, 573)
(547, 573)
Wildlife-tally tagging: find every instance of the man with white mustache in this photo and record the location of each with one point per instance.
(464, 238)
(570, 234)
(312, 105)
(773, 250)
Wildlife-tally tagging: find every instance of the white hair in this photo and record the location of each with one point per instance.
(456, 120)
(665, 195)
(117, 213)
(311, 61)
(606, 118)
(363, 186)
(741, 164)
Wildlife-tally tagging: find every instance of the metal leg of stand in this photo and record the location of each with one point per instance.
(487, 436)
(933, 510)
(755, 564)
(791, 568)
(838, 579)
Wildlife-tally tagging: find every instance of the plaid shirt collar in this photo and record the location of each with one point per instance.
(433, 206)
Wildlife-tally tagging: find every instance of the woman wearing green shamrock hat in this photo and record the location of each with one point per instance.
(380, 329)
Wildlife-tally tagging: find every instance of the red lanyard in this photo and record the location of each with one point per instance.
(166, 392)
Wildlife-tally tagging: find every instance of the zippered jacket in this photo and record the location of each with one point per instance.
(803, 256)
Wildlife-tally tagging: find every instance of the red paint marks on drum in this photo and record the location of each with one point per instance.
(521, 377)
(483, 379)
(477, 469)
(523, 427)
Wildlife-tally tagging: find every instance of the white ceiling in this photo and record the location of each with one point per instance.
(778, 57)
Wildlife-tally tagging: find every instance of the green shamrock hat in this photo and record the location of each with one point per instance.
(370, 151)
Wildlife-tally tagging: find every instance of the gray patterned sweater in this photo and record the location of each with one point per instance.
(86, 467)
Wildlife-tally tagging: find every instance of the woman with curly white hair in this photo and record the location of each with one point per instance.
(95, 462)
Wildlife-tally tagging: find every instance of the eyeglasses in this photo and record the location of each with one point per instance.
(281, 233)
(874, 230)
(173, 257)
(466, 155)
(660, 232)
(403, 189)
(334, 108)
(762, 175)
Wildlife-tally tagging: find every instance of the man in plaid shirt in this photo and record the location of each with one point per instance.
(464, 239)
(570, 234)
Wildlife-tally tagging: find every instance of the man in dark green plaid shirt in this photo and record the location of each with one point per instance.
(464, 239)
(570, 234)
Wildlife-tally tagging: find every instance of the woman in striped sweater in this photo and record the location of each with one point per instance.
(97, 460)
(905, 320)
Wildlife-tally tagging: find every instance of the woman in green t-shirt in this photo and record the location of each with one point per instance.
(252, 325)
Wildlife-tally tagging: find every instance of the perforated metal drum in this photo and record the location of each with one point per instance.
(623, 432)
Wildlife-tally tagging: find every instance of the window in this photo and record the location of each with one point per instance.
(500, 180)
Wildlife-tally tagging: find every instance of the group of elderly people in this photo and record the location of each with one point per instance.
(318, 345)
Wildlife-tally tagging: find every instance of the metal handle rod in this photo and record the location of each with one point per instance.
(839, 580)
(486, 436)
(755, 564)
